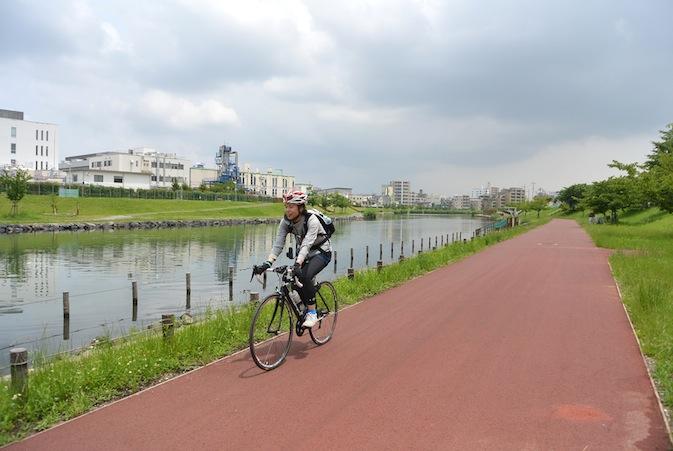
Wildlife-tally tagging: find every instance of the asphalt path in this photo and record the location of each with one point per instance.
(523, 346)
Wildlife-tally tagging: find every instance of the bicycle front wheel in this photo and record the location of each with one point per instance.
(270, 332)
(327, 307)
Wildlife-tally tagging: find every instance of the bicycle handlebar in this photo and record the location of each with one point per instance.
(281, 270)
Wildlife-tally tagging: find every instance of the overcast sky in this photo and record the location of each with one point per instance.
(447, 94)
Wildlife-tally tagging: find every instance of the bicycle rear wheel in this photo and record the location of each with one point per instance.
(327, 306)
(270, 332)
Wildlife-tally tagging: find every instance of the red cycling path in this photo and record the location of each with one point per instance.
(523, 346)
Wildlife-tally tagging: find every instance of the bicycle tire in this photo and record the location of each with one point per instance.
(264, 337)
(327, 303)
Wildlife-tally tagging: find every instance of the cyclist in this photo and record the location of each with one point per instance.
(314, 250)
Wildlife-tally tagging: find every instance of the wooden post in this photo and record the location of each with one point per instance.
(134, 301)
(351, 258)
(421, 245)
(188, 281)
(351, 273)
(66, 315)
(66, 305)
(381, 251)
(367, 255)
(231, 283)
(335, 261)
(167, 325)
(18, 361)
(379, 265)
(402, 249)
(264, 281)
(413, 247)
(391, 250)
(435, 240)
(441, 242)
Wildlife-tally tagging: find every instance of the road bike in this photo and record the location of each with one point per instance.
(278, 317)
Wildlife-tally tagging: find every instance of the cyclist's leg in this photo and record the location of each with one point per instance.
(312, 267)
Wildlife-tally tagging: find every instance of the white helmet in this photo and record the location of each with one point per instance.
(295, 197)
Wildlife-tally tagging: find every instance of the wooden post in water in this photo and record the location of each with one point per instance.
(18, 361)
(435, 240)
(402, 249)
(391, 250)
(167, 325)
(351, 265)
(367, 255)
(188, 281)
(231, 283)
(66, 315)
(381, 251)
(134, 301)
(441, 242)
(413, 247)
(421, 250)
(335, 261)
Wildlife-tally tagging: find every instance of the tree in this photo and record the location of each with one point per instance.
(611, 195)
(340, 201)
(539, 203)
(175, 186)
(324, 201)
(16, 185)
(661, 148)
(658, 182)
(572, 195)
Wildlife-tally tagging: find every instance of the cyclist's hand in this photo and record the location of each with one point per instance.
(296, 269)
(261, 268)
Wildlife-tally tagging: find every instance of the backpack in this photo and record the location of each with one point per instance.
(326, 223)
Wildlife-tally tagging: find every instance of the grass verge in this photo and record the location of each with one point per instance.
(67, 387)
(38, 209)
(642, 265)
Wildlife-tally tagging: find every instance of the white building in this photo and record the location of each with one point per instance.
(363, 200)
(303, 187)
(199, 175)
(141, 167)
(461, 202)
(399, 191)
(28, 145)
(272, 183)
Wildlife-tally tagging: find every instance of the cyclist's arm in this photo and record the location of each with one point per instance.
(314, 228)
(283, 230)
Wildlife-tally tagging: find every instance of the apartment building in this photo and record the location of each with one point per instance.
(28, 145)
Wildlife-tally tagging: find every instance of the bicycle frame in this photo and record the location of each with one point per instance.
(283, 293)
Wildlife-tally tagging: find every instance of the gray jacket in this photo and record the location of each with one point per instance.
(315, 229)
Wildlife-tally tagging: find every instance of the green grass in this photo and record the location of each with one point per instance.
(37, 209)
(643, 267)
(64, 388)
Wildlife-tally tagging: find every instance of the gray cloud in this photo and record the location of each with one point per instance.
(349, 95)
